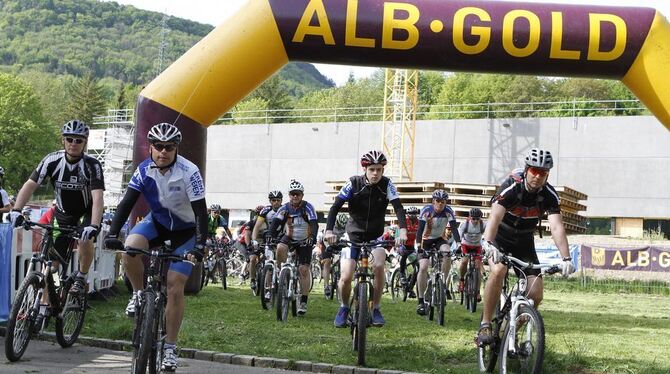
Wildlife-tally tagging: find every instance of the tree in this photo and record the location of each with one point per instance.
(86, 99)
(25, 137)
(250, 111)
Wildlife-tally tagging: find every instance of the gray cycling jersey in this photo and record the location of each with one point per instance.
(474, 235)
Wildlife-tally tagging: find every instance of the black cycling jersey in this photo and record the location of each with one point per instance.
(73, 181)
(524, 208)
(367, 207)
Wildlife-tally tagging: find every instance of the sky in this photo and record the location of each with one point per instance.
(214, 12)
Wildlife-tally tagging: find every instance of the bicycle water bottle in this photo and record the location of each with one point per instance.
(411, 258)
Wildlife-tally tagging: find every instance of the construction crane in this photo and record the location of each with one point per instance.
(398, 131)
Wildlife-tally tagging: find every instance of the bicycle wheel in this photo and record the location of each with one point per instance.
(471, 291)
(362, 322)
(297, 291)
(487, 355)
(412, 271)
(156, 357)
(71, 318)
(428, 297)
(396, 287)
(440, 299)
(283, 294)
(22, 317)
(223, 272)
(266, 303)
(527, 354)
(145, 336)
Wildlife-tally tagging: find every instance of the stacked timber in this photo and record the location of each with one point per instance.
(463, 197)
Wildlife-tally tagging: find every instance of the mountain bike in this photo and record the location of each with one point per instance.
(362, 295)
(453, 278)
(150, 321)
(471, 291)
(334, 273)
(402, 283)
(289, 289)
(436, 295)
(42, 276)
(215, 264)
(517, 327)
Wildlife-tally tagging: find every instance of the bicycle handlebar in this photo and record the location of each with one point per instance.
(161, 255)
(368, 244)
(545, 269)
(71, 231)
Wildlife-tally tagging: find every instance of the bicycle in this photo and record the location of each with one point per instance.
(521, 345)
(361, 299)
(69, 310)
(150, 322)
(269, 272)
(288, 285)
(215, 264)
(435, 295)
(334, 273)
(453, 278)
(471, 291)
(402, 284)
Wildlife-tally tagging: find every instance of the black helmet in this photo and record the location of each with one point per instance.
(372, 158)
(275, 194)
(476, 213)
(412, 210)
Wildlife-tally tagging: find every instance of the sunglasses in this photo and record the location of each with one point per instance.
(540, 172)
(74, 140)
(440, 201)
(295, 193)
(167, 147)
(275, 200)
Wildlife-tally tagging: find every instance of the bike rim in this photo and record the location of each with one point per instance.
(527, 347)
(23, 320)
(73, 314)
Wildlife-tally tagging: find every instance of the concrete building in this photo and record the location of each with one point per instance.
(621, 163)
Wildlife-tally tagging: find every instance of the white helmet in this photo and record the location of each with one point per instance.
(295, 186)
(75, 127)
(539, 158)
(2, 172)
(164, 132)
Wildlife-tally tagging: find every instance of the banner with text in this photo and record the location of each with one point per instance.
(634, 259)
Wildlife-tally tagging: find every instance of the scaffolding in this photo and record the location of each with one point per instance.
(398, 131)
(115, 152)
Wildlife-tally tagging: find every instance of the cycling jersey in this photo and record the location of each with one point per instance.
(412, 228)
(170, 195)
(297, 221)
(473, 236)
(214, 223)
(367, 207)
(72, 181)
(523, 208)
(268, 215)
(434, 223)
(4, 200)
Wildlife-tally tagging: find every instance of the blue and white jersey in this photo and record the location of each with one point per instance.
(436, 222)
(347, 191)
(170, 195)
(296, 219)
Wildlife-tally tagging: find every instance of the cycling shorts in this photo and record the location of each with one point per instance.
(304, 252)
(62, 242)
(182, 241)
(432, 244)
(521, 246)
(477, 249)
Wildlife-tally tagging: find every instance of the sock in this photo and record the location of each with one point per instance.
(376, 306)
(172, 346)
(303, 298)
(43, 309)
(421, 301)
(81, 274)
(344, 306)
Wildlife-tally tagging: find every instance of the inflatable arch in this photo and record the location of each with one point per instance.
(626, 43)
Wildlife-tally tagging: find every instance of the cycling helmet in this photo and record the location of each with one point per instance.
(440, 194)
(215, 208)
(275, 194)
(164, 132)
(2, 172)
(476, 213)
(75, 127)
(295, 186)
(342, 219)
(412, 210)
(259, 209)
(539, 158)
(372, 158)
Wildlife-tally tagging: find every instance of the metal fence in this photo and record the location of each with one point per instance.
(608, 281)
(573, 108)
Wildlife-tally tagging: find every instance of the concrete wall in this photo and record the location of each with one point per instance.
(621, 163)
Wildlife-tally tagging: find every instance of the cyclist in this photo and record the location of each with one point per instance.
(516, 210)
(5, 204)
(406, 250)
(471, 241)
(79, 184)
(325, 252)
(433, 221)
(175, 193)
(368, 196)
(299, 220)
(261, 228)
(216, 220)
(249, 250)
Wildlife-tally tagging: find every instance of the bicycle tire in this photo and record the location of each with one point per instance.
(145, 339)
(530, 353)
(440, 299)
(71, 318)
(156, 357)
(487, 356)
(224, 273)
(362, 322)
(396, 288)
(22, 317)
(470, 298)
(428, 296)
(282, 295)
(266, 304)
(297, 291)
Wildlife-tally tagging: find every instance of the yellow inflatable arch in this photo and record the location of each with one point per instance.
(626, 43)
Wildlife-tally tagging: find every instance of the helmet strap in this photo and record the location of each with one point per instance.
(161, 169)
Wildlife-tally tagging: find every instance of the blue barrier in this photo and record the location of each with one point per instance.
(6, 272)
(549, 254)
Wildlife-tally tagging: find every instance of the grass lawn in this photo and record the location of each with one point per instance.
(585, 332)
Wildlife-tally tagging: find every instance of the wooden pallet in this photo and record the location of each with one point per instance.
(471, 189)
(570, 192)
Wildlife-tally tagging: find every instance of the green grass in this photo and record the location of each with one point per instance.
(586, 332)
